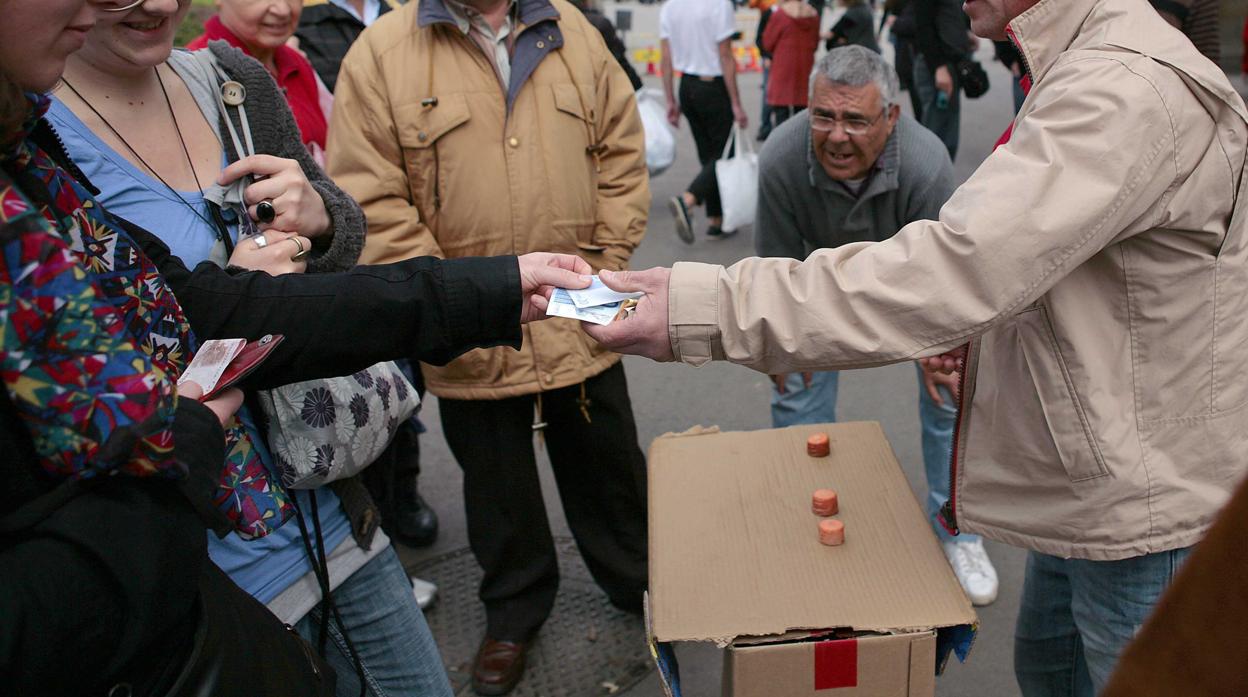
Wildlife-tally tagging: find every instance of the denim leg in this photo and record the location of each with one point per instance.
(386, 626)
(936, 422)
(1111, 600)
(802, 405)
(1019, 94)
(1048, 651)
(945, 120)
(764, 116)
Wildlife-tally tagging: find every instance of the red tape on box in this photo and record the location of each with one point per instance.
(836, 664)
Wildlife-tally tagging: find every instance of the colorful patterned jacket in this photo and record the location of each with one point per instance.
(93, 340)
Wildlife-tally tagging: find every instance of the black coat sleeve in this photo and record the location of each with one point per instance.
(339, 323)
(940, 31)
(763, 18)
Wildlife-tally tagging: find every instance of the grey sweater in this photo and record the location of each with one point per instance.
(274, 132)
(801, 208)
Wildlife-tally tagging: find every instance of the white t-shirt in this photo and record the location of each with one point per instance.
(694, 29)
(372, 8)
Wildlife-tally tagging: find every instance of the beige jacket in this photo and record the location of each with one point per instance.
(1095, 266)
(562, 171)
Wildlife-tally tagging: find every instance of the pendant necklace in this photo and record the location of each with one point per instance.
(214, 225)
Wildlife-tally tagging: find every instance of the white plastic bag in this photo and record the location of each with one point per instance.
(660, 138)
(738, 181)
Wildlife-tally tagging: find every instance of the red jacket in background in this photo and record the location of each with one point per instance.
(791, 43)
(294, 76)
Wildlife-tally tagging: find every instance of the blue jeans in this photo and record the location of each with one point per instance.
(817, 404)
(943, 120)
(388, 629)
(764, 116)
(1076, 616)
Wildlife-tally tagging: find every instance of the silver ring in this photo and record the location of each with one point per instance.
(261, 241)
(131, 6)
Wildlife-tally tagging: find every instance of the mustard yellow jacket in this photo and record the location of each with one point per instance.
(446, 161)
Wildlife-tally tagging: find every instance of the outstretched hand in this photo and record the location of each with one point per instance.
(645, 331)
(541, 273)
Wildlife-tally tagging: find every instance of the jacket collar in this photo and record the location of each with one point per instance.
(530, 11)
(1052, 27)
(1046, 30)
(285, 59)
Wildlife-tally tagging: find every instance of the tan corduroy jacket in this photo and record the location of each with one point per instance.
(1098, 265)
(447, 162)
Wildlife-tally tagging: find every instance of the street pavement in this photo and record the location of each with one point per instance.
(675, 397)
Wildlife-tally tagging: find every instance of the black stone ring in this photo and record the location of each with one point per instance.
(265, 212)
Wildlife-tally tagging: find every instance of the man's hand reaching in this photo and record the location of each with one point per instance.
(780, 379)
(950, 362)
(943, 370)
(541, 273)
(645, 331)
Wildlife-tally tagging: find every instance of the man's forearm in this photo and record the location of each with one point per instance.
(728, 64)
(665, 66)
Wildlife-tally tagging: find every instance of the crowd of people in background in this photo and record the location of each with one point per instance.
(425, 174)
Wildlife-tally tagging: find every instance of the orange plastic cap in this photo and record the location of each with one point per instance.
(824, 502)
(831, 532)
(818, 445)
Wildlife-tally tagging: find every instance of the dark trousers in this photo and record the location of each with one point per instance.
(780, 114)
(601, 475)
(709, 109)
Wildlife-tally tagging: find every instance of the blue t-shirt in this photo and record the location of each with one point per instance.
(266, 566)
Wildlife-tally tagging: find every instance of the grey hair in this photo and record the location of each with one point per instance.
(856, 66)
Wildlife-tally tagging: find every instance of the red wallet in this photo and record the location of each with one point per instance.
(248, 359)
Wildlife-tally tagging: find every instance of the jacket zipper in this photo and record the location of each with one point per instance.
(1009, 33)
(947, 516)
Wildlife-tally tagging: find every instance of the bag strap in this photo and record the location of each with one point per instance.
(320, 568)
(738, 138)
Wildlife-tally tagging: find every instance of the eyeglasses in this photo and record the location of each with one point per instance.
(853, 127)
(118, 5)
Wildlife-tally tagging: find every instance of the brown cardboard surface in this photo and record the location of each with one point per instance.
(734, 547)
(886, 666)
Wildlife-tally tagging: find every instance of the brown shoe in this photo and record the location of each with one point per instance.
(498, 667)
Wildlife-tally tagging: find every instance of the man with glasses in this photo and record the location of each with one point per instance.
(854, 169)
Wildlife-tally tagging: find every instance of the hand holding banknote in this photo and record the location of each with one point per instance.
(541, 273)
(643, 332)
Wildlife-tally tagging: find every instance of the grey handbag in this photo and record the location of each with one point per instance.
(328, 429)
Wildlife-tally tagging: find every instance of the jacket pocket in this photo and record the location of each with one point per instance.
(572, 154)
(1064, 414)
(421, 130)
(577, 235)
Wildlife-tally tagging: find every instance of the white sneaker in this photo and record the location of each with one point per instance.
(424, 591)
(974, 570)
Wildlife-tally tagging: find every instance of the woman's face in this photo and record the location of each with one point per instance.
(138, 39)
(263, 25)
(36, 36)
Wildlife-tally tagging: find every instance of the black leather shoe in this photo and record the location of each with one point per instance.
(498, 667)
(413, 522)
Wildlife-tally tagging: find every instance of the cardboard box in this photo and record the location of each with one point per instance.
(735, 558)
